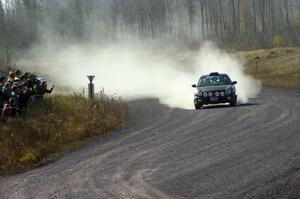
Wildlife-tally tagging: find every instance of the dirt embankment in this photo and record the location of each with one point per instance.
(279, 67)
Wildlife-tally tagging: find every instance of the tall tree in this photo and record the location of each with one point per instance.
(2, 20)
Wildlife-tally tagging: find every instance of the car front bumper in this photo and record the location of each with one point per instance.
(214, 100)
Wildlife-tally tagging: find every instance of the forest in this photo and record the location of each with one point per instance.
(234, 24)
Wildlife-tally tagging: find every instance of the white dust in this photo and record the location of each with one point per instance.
(135, 71)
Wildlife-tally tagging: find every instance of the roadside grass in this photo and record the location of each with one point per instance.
(56, 125)
(278, 67)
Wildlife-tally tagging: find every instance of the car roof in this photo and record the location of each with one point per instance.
(214, 74)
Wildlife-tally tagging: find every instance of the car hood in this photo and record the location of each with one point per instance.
(213, 88)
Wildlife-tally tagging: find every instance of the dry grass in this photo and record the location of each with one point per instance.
(55, 125)
(278, 67)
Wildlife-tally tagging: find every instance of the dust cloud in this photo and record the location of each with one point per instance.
(135, 70)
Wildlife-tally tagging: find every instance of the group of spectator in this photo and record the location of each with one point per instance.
(17, 90)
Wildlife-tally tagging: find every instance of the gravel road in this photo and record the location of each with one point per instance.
(250, 151)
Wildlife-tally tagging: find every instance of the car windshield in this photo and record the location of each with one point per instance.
(214, 80)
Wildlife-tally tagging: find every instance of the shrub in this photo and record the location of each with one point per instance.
(54, 125)
(277, 41)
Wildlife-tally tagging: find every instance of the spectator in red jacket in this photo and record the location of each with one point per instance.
(7, 112)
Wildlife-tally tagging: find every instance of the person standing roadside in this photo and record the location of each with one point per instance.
(42, 89)
(7, 112)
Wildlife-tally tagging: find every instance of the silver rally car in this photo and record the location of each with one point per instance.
(215, 88)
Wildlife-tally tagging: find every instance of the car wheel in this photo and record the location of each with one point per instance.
(198, 106)
(233, 102)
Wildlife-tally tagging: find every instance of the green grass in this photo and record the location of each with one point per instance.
(55, 125)
(279, 67)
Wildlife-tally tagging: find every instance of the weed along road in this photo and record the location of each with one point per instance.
(250, 151)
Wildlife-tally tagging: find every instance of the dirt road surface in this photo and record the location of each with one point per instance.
(250, 151)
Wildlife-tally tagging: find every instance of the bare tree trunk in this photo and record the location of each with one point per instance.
(202, 18)
(233, 18)
(254, 17)
(286, 6)
(206, 17)
(191, 16)
(238, 18)
(220, 18)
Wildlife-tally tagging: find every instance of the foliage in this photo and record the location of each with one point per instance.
(277, 41)
(55, 125)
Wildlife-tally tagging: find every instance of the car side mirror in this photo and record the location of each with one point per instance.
(194, 86)
(234, 82)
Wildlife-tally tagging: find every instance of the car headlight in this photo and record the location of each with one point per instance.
(198, 94)
(217, 94)
(228, 91)
(210, 94)
(222, 93)
(205, 94)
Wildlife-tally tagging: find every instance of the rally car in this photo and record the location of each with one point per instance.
(215, 88)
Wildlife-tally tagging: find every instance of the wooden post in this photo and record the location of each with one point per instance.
(257, 60)
(91, 88)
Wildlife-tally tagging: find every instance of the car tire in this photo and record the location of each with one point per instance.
(233, 102)
(198, 106)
